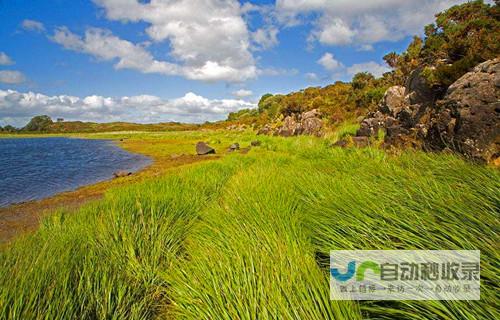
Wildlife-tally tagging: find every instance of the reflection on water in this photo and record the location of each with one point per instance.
(37, 168)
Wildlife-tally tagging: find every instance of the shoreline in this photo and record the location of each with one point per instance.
(23, 218)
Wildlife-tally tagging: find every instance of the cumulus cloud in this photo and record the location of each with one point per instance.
(266, 38)
(209, 38)
(33, 25)
(242, 93)
(345, 22)
(11, 77)
(5, 60)
(372, 67)
(329, 62)
(18, 108)
(106, 46)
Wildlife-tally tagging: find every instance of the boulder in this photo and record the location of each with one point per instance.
(341, 143)
(393, 101)
(308, 123)
(371, 124)
(310, 114)
(265, 130)
(467, 120)
(255, 143)
(312, 126)
(290, 127)
(233, 147)
(121, 174)
(202, 149)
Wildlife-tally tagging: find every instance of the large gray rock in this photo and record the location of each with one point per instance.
(291, 127)
(308, 123)
(393, 101)
(467, 120)
(202, 149)
(312, 126)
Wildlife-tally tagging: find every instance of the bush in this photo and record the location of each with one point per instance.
(39, 123)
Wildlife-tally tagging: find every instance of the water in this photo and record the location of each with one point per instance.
(33, 169)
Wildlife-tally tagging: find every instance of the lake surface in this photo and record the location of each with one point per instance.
(36, 168)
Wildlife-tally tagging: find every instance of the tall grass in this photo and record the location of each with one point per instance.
(249, 236)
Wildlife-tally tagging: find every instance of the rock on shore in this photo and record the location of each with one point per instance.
(466, 120)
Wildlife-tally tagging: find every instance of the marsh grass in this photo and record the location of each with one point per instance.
(248, 237)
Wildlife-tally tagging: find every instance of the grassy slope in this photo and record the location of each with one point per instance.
(246, 236)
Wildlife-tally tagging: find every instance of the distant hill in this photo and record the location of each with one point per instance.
(44, 124)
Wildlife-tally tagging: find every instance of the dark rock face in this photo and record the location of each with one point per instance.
(466, 120)
(418, 91)
(202, 149)
(307, 123)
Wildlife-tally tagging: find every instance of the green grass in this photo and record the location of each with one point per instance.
(248, 237)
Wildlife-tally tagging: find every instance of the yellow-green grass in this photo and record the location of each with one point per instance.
(248, 236)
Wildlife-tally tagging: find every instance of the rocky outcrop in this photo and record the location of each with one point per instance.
(465, 120)
(468, 118)
(202, 149)
(307, 123)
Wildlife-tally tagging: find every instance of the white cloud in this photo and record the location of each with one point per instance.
(345, 22)
(372, 67)
(334, 32)
(311, 76)
(242, 93)
(18, 108)
(366, 47)
(11, 77)
(5, 60)
(266, 37)
(209, 38)
(104, 45)
(33, 25)
(329, 62)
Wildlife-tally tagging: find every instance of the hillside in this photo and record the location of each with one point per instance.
(442, 93)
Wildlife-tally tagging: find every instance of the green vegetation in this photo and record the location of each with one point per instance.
(462, 37)
(39, 123)
(44, 124)
(248, 236)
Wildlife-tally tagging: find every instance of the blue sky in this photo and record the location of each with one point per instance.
(188, 60)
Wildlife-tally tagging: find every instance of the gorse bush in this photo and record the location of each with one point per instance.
(460, 38)
(248, 237)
